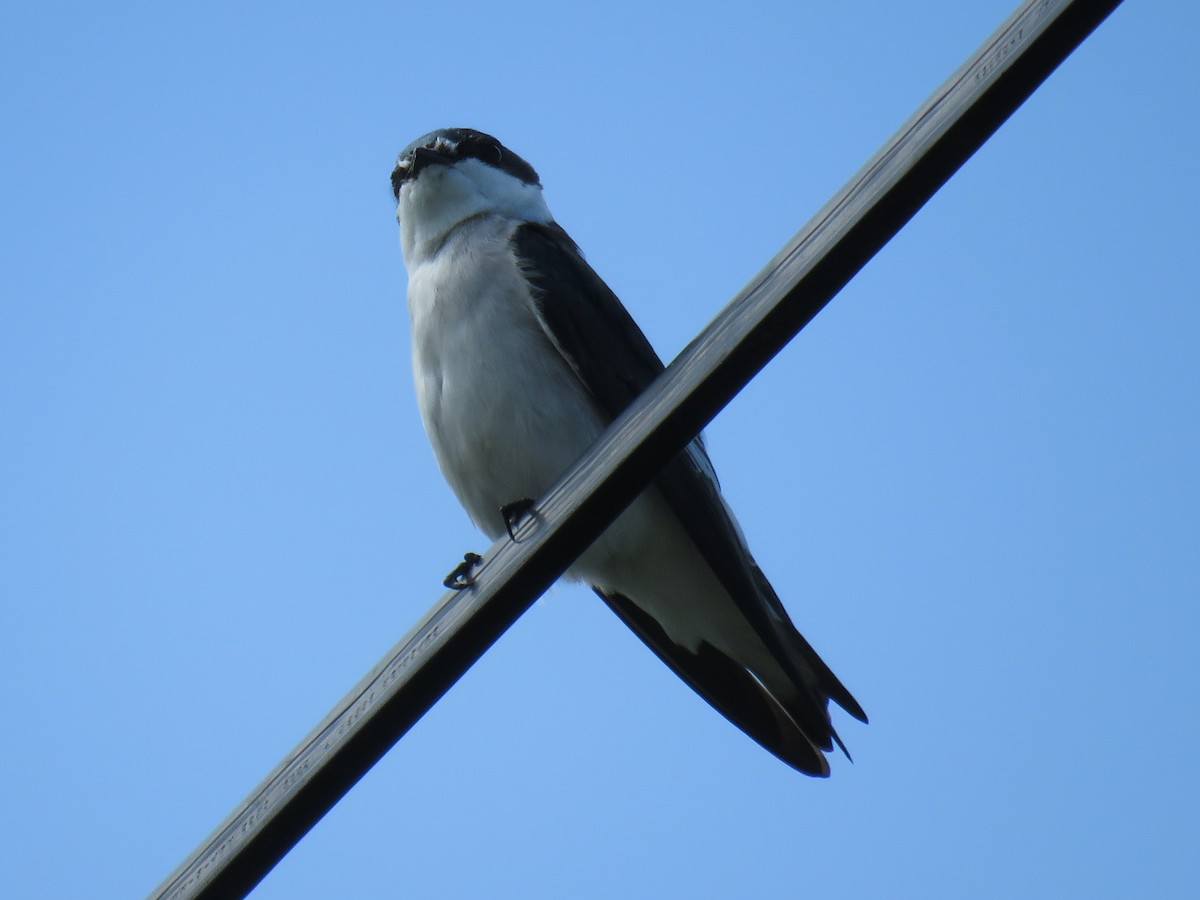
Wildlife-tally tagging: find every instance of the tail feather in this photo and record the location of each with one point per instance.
(736, 693)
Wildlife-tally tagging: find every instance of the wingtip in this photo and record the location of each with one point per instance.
(803, 755)
(850, 705)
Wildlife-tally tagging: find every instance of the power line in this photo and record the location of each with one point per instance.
(814, 265)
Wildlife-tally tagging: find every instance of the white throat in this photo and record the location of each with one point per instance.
(441, 198)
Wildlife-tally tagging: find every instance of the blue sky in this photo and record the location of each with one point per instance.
(973, 479)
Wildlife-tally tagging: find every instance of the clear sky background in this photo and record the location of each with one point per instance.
(973, 479)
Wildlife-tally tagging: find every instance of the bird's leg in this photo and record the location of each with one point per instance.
(513, 513)
(461, 577)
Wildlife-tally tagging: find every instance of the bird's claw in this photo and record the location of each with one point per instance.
(513, 513)
(461, 577)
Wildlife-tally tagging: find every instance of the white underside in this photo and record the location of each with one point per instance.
(507, 417)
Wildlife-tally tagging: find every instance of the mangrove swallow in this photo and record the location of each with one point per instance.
(521, 357)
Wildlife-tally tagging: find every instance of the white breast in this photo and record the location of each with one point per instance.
(507, 417)
(505, 414)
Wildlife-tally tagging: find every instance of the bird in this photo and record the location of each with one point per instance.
(522, 356)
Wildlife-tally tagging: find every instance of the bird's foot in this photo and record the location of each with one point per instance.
(461, 577)
(513, 513)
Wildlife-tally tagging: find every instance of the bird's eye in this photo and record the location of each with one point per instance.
(484, 151)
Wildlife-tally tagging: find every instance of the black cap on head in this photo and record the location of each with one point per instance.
(449, 145)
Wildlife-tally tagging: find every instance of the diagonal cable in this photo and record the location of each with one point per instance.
(779, 301)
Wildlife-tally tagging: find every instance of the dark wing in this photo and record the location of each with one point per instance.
(608, 352)
(584, 319)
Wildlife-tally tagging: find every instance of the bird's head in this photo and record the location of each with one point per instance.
(454, 174)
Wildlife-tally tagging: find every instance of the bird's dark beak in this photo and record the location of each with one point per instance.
(421, 159)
